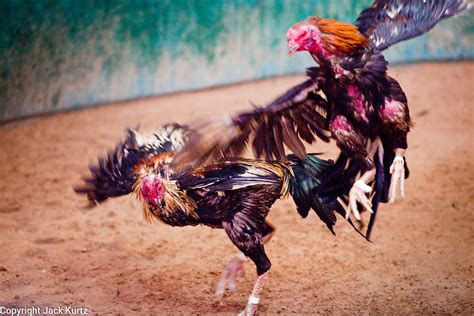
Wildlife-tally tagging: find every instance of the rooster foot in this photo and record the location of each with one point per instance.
(397, 169)
(251, 308)
(234, 269)
(358, 194)
(254, 299)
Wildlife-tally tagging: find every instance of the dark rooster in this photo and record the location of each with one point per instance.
(234, 194)
(349, 98)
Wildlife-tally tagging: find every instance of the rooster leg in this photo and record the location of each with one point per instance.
(247, 236)
(258, 256)
(360, 189)
(397, 169)
(254, 298)
(235, 267)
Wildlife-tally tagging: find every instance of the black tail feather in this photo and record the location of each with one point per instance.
(317, 185)
(308, 176)
(379, 186)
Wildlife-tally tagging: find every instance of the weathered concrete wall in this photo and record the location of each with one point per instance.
(66, 53)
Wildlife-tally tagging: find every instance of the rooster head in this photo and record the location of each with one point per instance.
(324, 38)
(160, 195)
(304, 36)
(152, 189)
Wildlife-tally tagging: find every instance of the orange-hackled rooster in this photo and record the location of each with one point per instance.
(349, 98)
(234, 194)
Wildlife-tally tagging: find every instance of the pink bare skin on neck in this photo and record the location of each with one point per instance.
(153, 189)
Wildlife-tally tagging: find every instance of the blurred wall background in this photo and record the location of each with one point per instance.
(68, 53)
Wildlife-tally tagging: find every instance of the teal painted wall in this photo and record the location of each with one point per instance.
(68, 53)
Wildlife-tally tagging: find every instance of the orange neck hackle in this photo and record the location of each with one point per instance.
(339, 37)
(325, 37)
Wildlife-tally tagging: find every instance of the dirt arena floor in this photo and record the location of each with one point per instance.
(109, 259)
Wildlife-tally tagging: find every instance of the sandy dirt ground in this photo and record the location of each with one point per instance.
(109, 259)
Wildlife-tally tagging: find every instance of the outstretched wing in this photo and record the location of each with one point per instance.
(233, 174)
(112, 176)
(298, 115)
(115, 174)
(169, 138)
(387, 22)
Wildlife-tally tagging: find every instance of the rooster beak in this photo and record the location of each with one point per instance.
(292, 50)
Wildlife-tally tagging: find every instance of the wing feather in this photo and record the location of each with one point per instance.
(278, 137)
(291, 139)
(115, 173)
(300, 114)
(387, 22)
(304, 131)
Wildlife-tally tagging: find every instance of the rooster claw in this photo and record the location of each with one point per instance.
(251, 307)
(250, 310)
(358, 194)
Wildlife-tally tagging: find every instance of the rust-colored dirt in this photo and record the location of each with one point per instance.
(109, 259)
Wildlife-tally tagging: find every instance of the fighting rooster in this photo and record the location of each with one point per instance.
(349, 97)
(234, 194)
